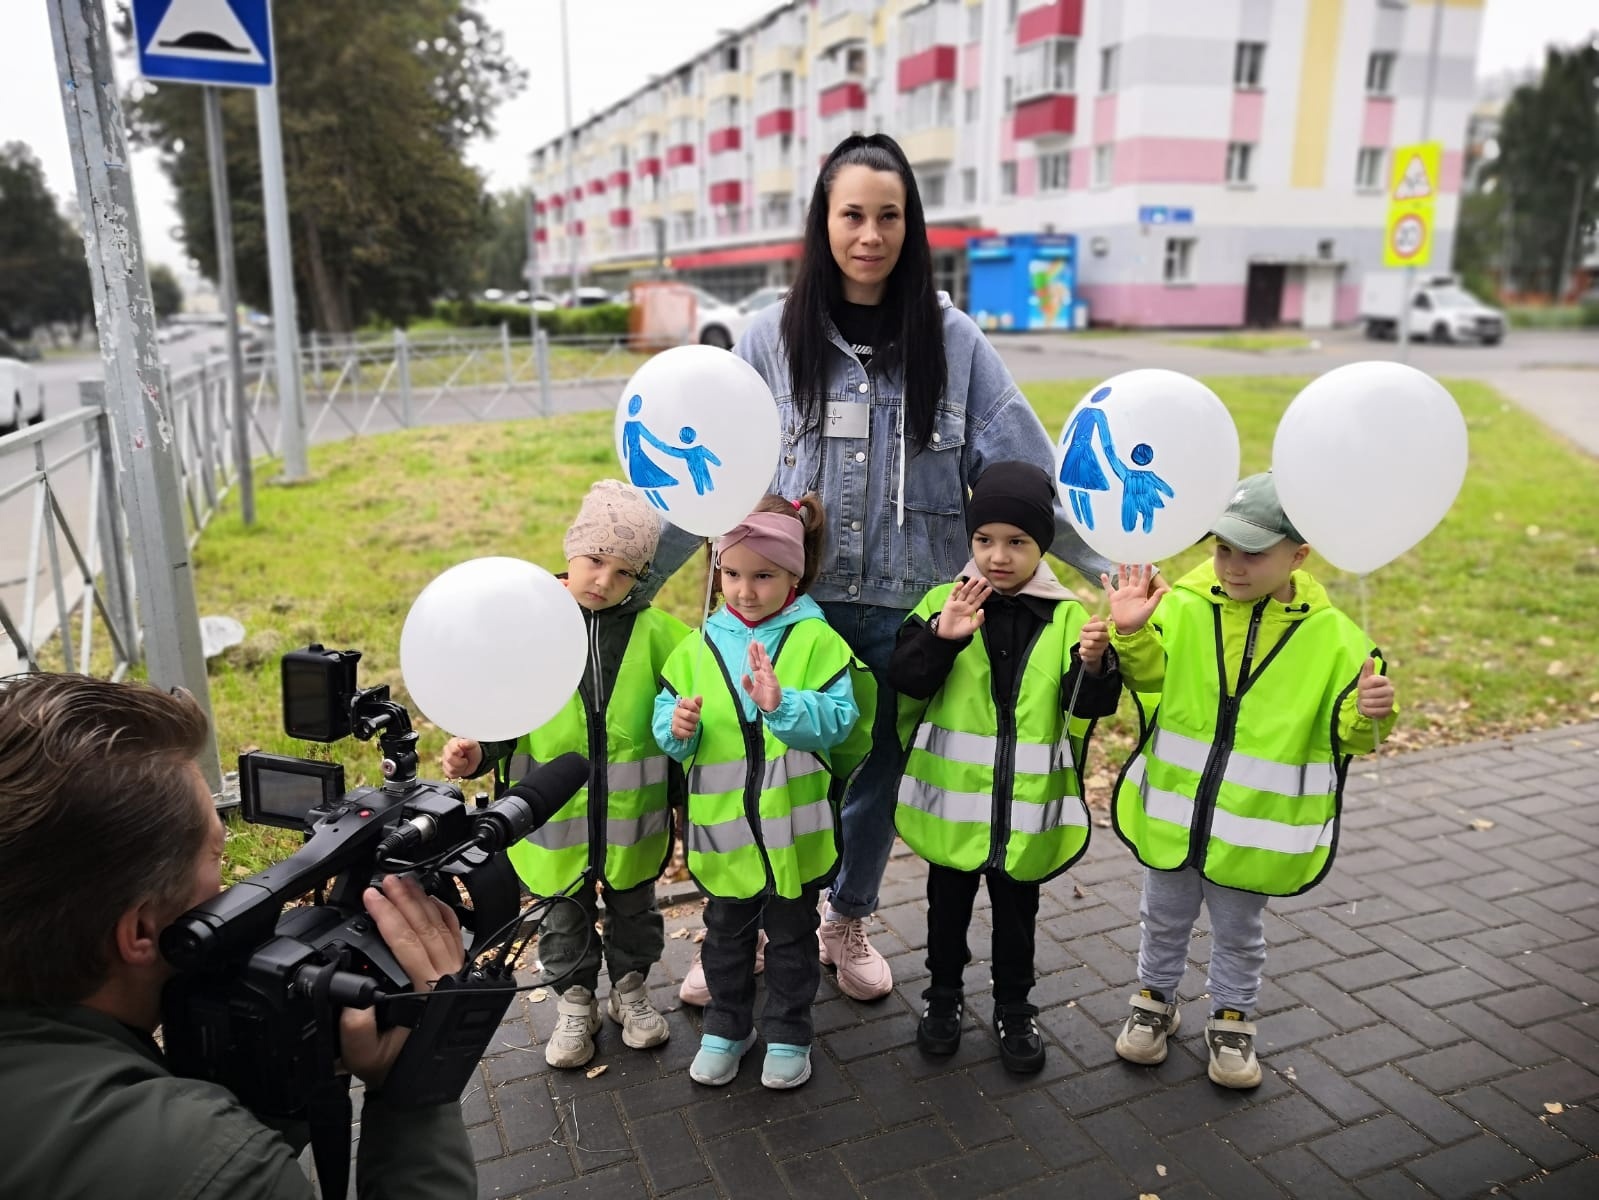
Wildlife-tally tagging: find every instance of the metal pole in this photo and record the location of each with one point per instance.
(541, 351)
(113, 547)
(227, 280)
(135, 390)
(1569, 267)
(1434, 39)
(571, 145)
(402, 355)
(280, 265)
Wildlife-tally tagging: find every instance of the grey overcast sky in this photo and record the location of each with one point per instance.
(615, 46)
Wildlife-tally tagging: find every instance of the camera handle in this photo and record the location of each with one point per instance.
(328, 1110)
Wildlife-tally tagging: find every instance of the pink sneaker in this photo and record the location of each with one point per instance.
(863, 973)
(694, 990)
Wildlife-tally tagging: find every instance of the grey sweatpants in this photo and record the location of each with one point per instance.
(633, 938)
(1167, 912)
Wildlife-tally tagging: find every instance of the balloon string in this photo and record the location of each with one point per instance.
(1376, 725)
(705, 610)
(1101, 609)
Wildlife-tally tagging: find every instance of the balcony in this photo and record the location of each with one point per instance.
(646, 167)
(779, 120)
(1061, 18)
(724, 83)
(618, 177)
(775, 59)
(682, 107)
(686, 201)
(728, 138)
(621, 218)
(845, 27)
(774, 181)
(596, 186)
(841, 97)
(936, 64)
(1048, 116)
(728, 191)
(935, 145)
(650, 210)
(680, 155)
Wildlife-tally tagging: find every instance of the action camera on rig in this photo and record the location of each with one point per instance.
(264, 968)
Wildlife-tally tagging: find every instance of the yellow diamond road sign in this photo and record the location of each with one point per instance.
(1412, 187)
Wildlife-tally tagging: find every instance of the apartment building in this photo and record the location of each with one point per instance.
(1221, 162)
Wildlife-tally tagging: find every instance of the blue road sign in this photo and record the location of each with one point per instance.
(1182, 216)
(227, 43)
(1154, 214)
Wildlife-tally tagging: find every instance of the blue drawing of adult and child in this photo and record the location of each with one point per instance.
(649, 476)
(1082, 475)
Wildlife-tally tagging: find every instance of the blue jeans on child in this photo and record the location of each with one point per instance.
(1167, 912)
(867, 823)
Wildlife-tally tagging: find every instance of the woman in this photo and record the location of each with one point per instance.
(890, 400)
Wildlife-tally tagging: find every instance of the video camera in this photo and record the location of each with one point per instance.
(255, 999)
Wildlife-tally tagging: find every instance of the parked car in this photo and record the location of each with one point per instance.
(762, 298)
(21, 389)
(1440, 310)
(720, 324)
(586, 297)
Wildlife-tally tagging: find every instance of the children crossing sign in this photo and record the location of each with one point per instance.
(222, 42)
(1412, 188)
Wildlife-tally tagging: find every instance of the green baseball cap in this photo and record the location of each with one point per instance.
(1254, 520)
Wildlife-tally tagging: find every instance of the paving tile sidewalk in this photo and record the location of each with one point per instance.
(1429, 1027)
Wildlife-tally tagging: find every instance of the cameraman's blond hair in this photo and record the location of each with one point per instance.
(97, 815)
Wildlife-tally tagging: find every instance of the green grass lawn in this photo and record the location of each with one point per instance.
(1251, 343)
(1487, 624)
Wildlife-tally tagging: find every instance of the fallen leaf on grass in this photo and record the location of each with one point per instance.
(1481, 824)
(1546, 640)
(596, 1072)
(1554, 1106)
(1555, 669)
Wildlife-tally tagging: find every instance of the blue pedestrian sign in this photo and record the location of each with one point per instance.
(1160, 214)
(227, 43)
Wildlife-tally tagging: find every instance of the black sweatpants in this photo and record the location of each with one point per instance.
(950, 894)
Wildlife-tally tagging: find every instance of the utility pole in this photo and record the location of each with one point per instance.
(227, 280)
(136, 396)
(571, 166)
(1426, 129)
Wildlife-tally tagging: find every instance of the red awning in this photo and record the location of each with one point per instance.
(941, 237)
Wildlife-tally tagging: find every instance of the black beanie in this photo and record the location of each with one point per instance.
(1014, 493)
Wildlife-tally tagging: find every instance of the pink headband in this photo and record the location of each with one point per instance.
(776, 538)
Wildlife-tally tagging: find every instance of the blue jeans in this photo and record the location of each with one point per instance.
(867, 823)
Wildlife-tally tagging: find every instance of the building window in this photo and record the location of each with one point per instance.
(1380, 73)
(1010, 14)
(974, 23)
(1240, 157)
(1179, 266)
(683, 227)
(1010, 94)
(775, 211)
(933, 191)
(1104, 164)
(929, 106)
(727, 58)
(1109, 68)
(1048, 67)
(1007, 179)
(973, 104)
(1248, 60)
(1054, 171)
(1368, 169)
(969, 185)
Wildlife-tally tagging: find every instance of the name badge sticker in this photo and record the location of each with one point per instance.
(846, 419)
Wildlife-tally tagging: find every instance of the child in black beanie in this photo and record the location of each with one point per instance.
(992, 786)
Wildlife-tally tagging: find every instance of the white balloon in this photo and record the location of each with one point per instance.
(1367, 460)
(1145, 464)
(696, 432)
(493, 648)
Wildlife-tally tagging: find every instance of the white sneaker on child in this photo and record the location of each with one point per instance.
(630, 1007)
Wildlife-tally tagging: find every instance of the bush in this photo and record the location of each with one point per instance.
(1588, 314)
(602, 320)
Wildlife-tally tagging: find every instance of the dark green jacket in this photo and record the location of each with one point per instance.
(89, 1109)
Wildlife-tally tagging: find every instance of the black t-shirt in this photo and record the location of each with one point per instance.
(861, 325)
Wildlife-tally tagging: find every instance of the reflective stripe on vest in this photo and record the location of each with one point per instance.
(1251, 833)
(1258, 774)
(715, 778)
(564, 835)
(777, 833)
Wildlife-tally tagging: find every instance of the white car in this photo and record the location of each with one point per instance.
(21, 390)
(720, 324)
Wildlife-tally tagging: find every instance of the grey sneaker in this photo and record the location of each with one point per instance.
(1152, 1021)
(1232, 1049)
(577, 1021)
(630, 1007)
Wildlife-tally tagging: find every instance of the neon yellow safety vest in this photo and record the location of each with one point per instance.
(995, 782)
(620, 825)
(762, 816)
(1243, 779)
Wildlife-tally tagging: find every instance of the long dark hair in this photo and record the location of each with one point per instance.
(910, 303)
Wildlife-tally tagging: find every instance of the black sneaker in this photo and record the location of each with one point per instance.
(1021, 1046)
(939, 1031)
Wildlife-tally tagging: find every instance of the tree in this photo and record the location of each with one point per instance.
(501, 259)
(1548, 163)
(377, 101)
(165, 292)
(44, 277)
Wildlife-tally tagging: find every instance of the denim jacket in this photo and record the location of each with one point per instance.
(893, 536)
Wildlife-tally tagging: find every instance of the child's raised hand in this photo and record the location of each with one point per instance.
(1375, 693)
(686, 717)
(1092, 642)
(461, 757)
(962, 614)
(761, 683)
(1134, 596)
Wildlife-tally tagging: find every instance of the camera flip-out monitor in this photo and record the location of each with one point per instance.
(318, 685)
(281, 791)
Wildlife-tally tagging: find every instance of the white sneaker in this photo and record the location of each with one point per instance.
(863, 973)
(577, 1021)
(630, 1007)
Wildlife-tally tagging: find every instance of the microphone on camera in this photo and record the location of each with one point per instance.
(529, 804)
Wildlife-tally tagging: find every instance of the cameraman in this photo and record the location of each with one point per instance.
(108, 833)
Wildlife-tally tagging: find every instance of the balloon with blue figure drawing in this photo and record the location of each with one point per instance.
(697, 433)
(1175, 471)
